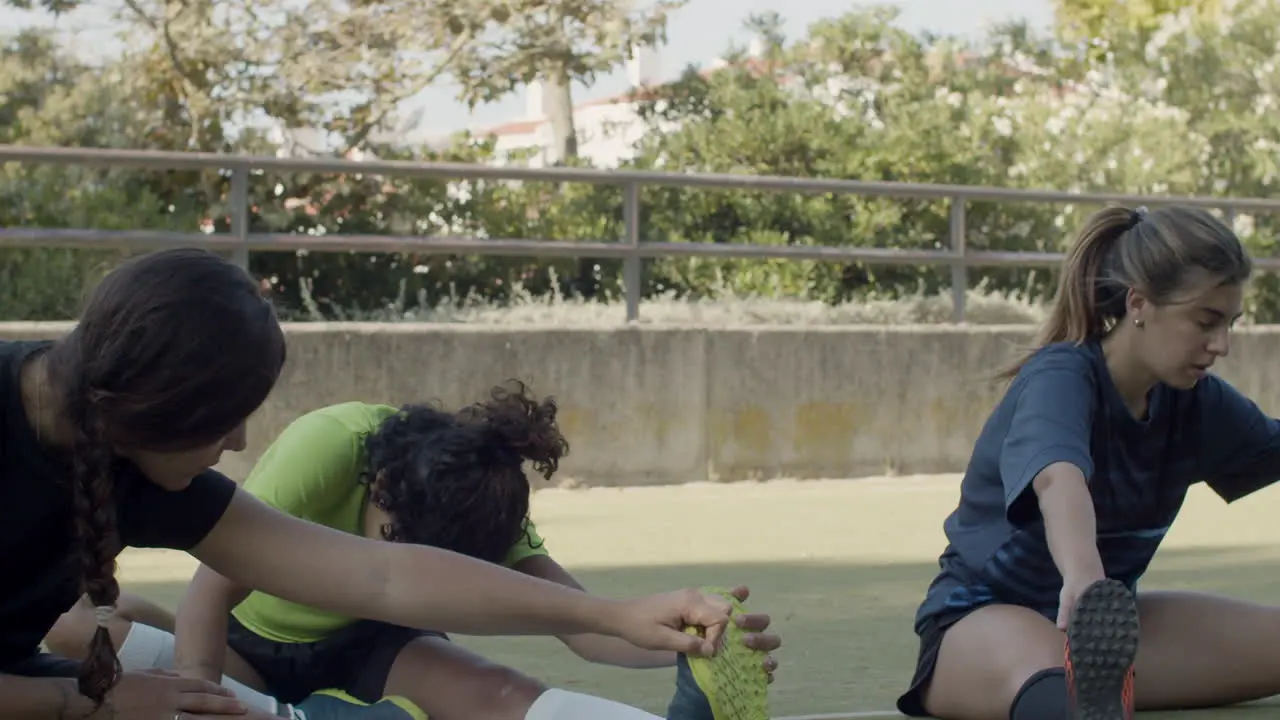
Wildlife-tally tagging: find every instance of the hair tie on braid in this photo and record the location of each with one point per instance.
(104, 613)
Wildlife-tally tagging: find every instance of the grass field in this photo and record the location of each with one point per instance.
(839, 564)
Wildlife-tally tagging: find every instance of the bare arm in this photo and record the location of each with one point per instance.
(200, 633)
(411, 585)
(590, 646)
(23, 698)
(138, 695)
(1070, 525)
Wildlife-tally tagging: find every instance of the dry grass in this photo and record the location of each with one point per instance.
(982, 307)
(840, 564)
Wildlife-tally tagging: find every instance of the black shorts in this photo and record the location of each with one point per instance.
(930, 630)
(43, 665)
(356, 659)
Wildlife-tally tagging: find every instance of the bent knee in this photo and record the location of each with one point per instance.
(985, 660)
(483, 690)
(74, 630)
(70, 635)
(982, 690)
(500, 692)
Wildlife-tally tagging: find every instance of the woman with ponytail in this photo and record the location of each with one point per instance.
(107, 437)
(1076, 478)
(415, 474)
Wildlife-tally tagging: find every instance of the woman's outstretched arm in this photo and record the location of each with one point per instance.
(258, 547)
(593, 647)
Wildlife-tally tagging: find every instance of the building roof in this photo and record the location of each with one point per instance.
(526, 127)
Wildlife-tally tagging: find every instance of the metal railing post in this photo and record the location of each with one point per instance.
(240, 215)
(631, 264)
(959, 270)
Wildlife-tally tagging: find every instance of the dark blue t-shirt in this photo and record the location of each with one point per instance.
(1064, 407)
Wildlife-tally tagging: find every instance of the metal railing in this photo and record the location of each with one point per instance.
(630, 248)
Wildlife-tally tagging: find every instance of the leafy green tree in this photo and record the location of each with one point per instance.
(1096, 22)
(48, 97)
(1219, 75)
(857, 97)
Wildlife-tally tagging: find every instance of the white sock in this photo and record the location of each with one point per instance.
(147, 647)
(563, 705)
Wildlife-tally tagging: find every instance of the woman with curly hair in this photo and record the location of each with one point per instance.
(415, 475)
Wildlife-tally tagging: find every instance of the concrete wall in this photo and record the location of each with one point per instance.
(666, 405)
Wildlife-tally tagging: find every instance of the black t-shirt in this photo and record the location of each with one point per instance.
(39, 563)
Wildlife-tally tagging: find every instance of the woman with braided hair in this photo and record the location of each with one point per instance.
(107, 437)
(420, 475)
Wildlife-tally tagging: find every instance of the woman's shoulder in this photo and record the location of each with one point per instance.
(1061, 360)
(1065, 354)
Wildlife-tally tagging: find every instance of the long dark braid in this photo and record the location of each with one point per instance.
(96, 532)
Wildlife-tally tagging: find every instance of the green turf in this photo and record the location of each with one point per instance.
(839, 565)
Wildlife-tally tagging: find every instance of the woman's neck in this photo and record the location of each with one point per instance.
(43, 406)
(1132, 380)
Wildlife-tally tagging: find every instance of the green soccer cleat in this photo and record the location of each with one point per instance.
(732, 685)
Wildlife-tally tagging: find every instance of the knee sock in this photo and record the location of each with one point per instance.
(1042, 697)
(146, 647)
(563, 705)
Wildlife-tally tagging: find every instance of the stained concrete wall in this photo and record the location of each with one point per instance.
(650, 405)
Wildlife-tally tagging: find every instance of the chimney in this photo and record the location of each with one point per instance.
(644, 67)
(535, 107)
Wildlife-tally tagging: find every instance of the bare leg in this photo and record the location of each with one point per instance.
(1195, 650)
(986, 658)
(70, 636)
(448, 683)
(1198, 650)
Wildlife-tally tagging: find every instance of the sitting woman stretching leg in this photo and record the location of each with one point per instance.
(415, 475)
(106, 440)
(1077, 477)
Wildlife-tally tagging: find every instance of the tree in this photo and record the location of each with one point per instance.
(1097, 22)
(1219, 73)
(53, 7)
(558, 43)
(341, 67)
(49, 97)
(856, 97)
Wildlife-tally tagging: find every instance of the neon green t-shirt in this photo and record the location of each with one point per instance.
(312, 471)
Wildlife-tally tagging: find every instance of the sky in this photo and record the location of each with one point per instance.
(697, 34)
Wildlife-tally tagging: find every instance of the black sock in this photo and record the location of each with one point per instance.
(1042, 697)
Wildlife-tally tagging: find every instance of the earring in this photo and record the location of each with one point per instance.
(1137, 322)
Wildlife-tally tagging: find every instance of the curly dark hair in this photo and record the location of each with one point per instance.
(456, 480)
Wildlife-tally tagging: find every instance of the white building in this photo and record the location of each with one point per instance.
(607, 128)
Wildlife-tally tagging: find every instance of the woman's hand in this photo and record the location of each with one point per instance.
(756, 638)
(657, 622)
(163, 695)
